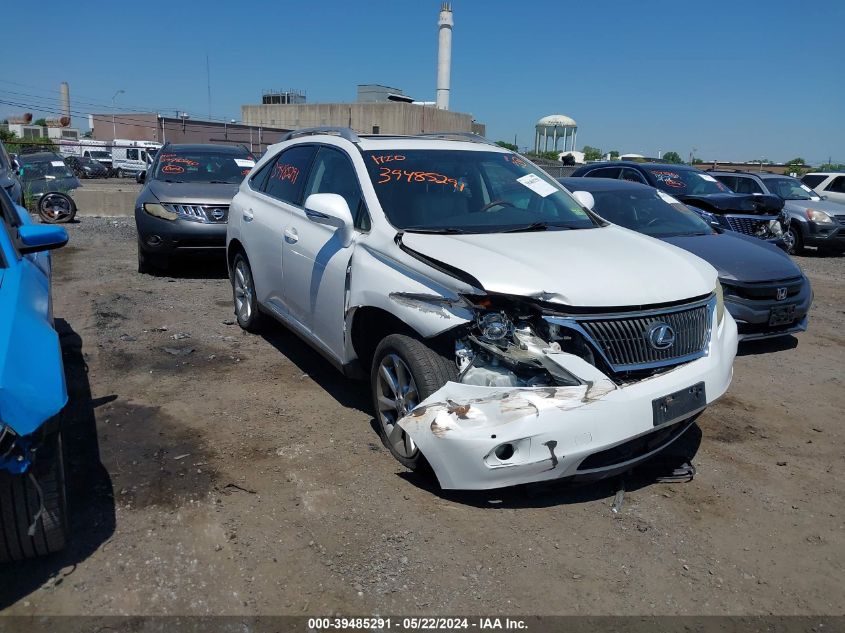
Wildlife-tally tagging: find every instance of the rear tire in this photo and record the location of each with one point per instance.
(19, 505)
(247, 312)
(56, 208)
(426, 371)
(119, 173)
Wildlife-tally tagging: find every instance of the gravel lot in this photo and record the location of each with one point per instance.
(216, 472)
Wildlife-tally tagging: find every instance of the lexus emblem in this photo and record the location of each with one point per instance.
(781, 294)
(661, 336)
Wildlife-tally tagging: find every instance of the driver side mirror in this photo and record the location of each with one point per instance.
(141, 177)
(34, 238)
(585, 199)
(332, 210)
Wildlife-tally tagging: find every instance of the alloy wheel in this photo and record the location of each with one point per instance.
(243, 292)
(396, 396)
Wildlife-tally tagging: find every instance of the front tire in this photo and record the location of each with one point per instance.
(405, 372)
(797, 247)
(243, 294)
(150, 264)
(20, 504)
(56, 208)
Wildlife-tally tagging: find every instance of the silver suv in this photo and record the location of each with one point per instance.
(508, 333)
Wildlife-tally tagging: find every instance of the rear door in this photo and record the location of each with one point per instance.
(276, 194)
(835, 189)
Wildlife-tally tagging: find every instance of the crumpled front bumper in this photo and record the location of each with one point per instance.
(552, 431)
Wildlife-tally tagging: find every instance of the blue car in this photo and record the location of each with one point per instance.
(33, 515)
(765, 291)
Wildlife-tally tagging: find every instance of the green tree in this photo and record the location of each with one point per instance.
(506, 145)
(697, 161)
(832, 167)
(672, 157)
(796, 161)
(592, 153)
(614, 154)
(40, 122)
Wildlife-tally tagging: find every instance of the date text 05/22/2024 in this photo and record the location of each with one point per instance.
(416, 624)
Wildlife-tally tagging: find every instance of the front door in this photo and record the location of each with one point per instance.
(315, 262)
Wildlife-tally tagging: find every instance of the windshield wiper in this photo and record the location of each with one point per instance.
(537, 226)
(435, 231)
(168, 180)
(222, 182)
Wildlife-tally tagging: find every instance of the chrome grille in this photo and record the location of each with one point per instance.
(748, 226)
(623, 340)
(200, 213)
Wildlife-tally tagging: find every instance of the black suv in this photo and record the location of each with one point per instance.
(756, 215)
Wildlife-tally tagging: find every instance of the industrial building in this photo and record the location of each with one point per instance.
(149, 126)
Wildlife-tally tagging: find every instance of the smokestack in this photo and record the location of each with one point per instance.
(444, 55)
(65, 92)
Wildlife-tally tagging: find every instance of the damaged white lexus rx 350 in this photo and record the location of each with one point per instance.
(509, 334)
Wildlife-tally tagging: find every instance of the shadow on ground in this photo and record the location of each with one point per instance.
(767, 346)
(199, 266)
(90, 495)
(567, 492)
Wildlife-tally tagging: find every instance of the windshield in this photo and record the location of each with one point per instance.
(687, 182)
(790, 189)
(649, 211)
(459, 191)
(46, 170)
(204, 166)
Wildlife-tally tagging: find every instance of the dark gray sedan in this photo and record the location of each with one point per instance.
(765, 291)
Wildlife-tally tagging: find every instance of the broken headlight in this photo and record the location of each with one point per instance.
(500, 351)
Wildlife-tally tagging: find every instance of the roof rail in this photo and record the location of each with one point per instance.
(343, 132)
(462, 136)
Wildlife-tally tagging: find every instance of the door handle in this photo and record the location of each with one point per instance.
(248, 215)
(291, 236)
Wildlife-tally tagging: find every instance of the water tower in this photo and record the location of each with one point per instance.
(555, 127)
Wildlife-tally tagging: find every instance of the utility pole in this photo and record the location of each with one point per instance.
(208, 82)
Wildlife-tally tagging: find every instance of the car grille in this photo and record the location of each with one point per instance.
(749, 225)
(625, 340)
(767, 291)
(211, 214)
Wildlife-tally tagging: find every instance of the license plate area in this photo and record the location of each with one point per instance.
(782, 315)
(679, 405)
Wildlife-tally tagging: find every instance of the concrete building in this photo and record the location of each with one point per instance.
(149, 126)
(391, 117)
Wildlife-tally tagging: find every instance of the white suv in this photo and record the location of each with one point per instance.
(509, 334)
(830, 185)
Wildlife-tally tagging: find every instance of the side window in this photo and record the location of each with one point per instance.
(813, 181)
(333, 173)
(838, 185)
(131, 154)
(746, 185)
(728, 181)
(604, 172)
(286, 179)
(259, 178)
(632, 175)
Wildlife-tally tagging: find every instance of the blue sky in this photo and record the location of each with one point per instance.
(737, 80)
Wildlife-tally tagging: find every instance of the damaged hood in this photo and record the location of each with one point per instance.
(601, 267)
(734, 203)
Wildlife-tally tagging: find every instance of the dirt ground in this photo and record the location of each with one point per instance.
(216, 472)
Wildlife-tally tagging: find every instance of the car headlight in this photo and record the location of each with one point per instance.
(720, 304)
(775, 227)
(158, 211)
(821, 217)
